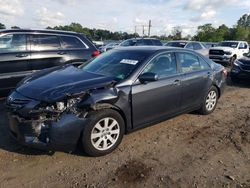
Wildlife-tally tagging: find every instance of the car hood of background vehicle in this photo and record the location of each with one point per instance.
(245, 60)
(55, 85)
(225, 48)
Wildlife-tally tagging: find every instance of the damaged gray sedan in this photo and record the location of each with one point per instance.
(120, 91)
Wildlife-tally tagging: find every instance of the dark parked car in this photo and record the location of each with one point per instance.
(120, 91)
(241, 69)
(141, 42)
(23, 52)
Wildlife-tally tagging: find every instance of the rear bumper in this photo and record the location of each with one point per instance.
(61, 135)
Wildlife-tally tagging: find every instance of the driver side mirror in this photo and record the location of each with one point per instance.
(148, 77)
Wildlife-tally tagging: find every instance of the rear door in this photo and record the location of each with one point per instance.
(46, 51)
(14, 58)
(197, 79)
(77, 49)
(159, 99)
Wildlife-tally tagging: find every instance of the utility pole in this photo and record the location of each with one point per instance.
(135, 29)
(149, 27)
(143, 30)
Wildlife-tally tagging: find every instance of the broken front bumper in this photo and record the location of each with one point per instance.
(61, 135)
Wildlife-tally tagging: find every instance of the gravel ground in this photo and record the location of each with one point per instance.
(187, 151)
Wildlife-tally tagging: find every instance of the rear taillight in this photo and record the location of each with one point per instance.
(95, 53)
(224, 72)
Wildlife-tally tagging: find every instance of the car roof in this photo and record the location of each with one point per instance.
(38, 31)
(187, 41)
(152, 49)
(139, 38)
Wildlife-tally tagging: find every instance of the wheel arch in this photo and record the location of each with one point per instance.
(218, 89)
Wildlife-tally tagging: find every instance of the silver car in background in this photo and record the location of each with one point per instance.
(193, 45)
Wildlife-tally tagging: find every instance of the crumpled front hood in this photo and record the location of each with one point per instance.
(224, 48)
(55, 85)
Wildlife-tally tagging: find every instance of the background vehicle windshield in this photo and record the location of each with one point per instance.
(176, 44)
(229, 44)
(117, 64)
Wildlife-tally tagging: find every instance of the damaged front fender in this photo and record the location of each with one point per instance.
(100, 99)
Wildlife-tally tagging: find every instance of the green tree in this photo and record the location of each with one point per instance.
(244, 21)
(177, 33)
(2, 26)
(205, 33)
(15, 27)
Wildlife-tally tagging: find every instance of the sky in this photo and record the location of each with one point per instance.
(123, 15)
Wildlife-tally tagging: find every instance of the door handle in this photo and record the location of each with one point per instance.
(62, 53)
(177, 82)
(22, 55)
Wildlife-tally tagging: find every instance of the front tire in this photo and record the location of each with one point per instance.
(103, 133)
(210, 102)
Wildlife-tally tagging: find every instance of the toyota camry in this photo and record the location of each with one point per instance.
(120, 91)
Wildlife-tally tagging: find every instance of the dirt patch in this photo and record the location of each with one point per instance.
(133, 172)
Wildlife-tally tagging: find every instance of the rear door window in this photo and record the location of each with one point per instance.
(191, 63)
(13, 43)
(45, 42)
(69, 42)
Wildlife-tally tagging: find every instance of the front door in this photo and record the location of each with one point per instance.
(153, 101)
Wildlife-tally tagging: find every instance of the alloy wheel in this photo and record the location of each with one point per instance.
(211, 100)
(105, 133)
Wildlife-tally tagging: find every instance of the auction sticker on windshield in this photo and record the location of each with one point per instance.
(129, 61)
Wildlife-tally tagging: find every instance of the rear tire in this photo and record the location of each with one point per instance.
(103, 133)
(210, 101)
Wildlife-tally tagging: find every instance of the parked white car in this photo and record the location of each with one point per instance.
(228, 51)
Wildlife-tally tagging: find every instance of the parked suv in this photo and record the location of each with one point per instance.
(23, 52)
(228, 51)
(193, 45)
(141, 42)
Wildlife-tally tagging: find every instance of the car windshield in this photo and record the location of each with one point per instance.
(118, 64)
(176, 44)
(229, 44)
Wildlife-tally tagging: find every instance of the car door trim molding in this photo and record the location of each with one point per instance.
(16, 74)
